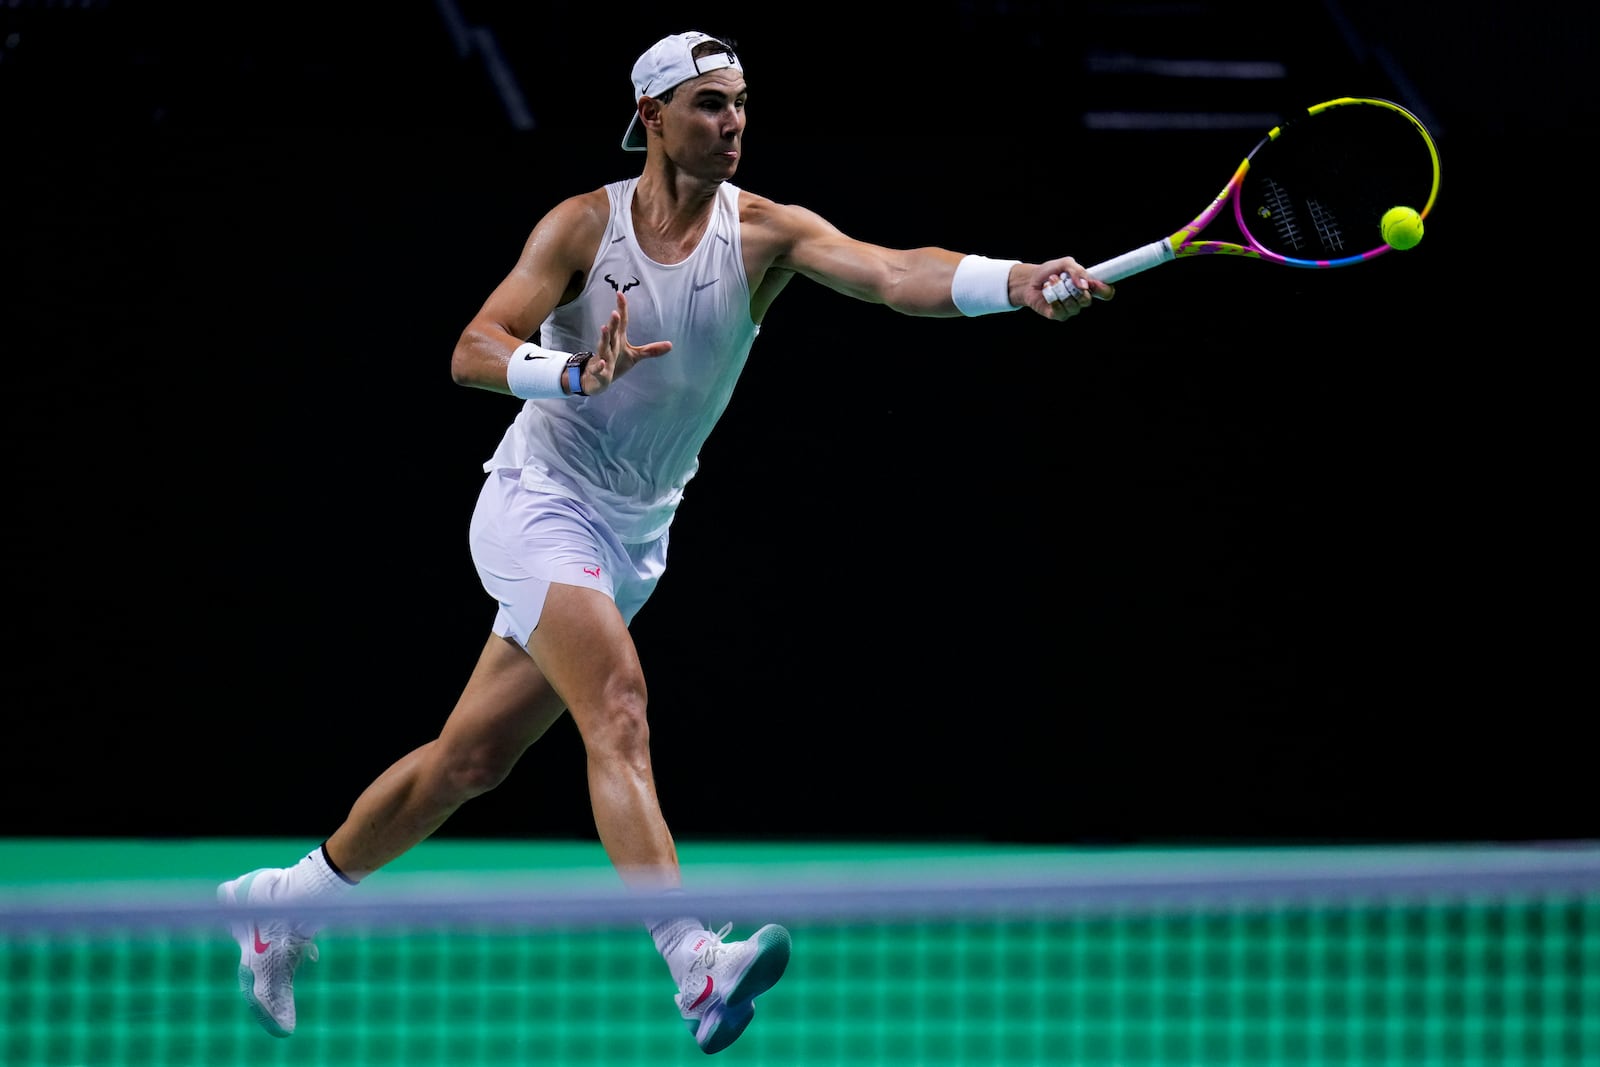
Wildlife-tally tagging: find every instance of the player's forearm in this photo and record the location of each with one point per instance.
(946, 284)
(480, 357)
(918, 283)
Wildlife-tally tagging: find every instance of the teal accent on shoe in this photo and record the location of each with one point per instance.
(723, 1025)
(241, 892)
(247, 982)
(772, 957)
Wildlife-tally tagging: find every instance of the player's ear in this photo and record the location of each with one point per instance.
(650, 110)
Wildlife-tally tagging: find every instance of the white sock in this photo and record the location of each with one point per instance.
(313, 878)
(673, 938)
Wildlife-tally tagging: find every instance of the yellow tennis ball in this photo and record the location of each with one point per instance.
(1401, 228)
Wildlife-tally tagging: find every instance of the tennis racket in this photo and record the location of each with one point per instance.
(1309, 194)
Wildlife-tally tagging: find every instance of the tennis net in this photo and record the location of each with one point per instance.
(1316, 957)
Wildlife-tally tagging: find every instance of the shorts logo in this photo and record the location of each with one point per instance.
(593, 572)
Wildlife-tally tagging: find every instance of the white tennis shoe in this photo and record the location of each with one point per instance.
(717, 995)
(270, 951)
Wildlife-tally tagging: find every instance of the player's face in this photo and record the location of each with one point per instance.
(703, 126)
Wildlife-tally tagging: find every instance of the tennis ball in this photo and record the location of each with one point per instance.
(1401, 228)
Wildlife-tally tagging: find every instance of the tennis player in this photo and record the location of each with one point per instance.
(623, 327)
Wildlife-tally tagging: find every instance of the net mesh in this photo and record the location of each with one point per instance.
(1457, 975)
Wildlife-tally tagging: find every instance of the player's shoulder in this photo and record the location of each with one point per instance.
(758, 212)
(592, 208)
(576, 223)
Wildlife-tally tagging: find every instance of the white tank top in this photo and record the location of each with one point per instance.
(630, 451)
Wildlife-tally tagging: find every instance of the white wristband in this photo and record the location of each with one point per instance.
(981, 285)
(535, 373)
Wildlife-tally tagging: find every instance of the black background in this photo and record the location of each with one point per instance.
(1247, 554)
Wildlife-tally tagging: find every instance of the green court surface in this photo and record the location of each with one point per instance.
(1490, 968)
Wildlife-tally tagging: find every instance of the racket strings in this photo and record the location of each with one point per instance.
(1277, 207)
(1326, 225)
(1319, 189)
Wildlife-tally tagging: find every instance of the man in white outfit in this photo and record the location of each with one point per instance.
(570, 531)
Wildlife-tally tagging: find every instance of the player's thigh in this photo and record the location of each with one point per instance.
(507, 703)
(582, 645)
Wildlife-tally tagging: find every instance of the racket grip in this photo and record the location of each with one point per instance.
(1120, 267)
(1131, 263)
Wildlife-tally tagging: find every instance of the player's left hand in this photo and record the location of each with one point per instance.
(614, 356)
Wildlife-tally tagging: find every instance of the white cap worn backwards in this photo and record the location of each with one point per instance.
(666, 65)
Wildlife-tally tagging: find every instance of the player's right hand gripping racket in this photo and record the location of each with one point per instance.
(1311, 192)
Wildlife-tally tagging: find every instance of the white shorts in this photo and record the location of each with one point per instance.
(524, 539)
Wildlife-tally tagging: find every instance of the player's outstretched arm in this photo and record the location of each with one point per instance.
(928, 281)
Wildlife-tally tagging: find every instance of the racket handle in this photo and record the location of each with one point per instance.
(1120, 267)
(1131, 263)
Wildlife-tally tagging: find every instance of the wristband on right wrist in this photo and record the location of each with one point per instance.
(982, 286)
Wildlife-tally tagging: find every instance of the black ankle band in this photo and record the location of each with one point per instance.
(334, 867)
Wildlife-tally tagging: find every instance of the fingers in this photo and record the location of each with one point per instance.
(1065, 296)
(614, 334)
(613, 356)
(1070, 291)
(618, 328)
(1065, 289)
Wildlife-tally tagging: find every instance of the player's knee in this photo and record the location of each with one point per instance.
(474, 781)
(619, 729)
(471, 774)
